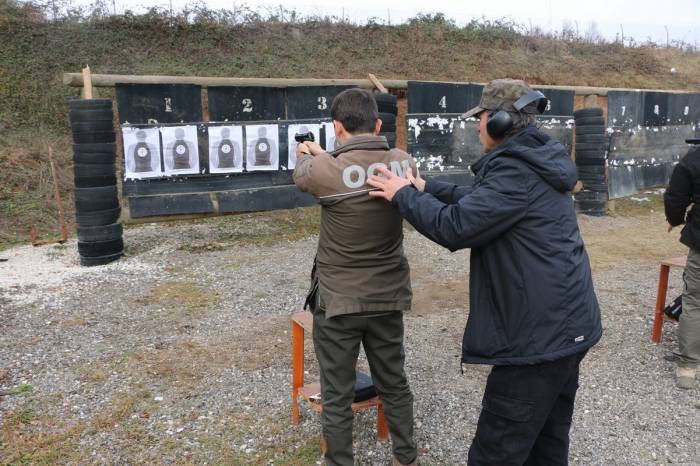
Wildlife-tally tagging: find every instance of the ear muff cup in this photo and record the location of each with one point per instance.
(498, 124)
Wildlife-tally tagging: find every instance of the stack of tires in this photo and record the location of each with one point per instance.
(97, 208)
(386, 104)
(591, 150)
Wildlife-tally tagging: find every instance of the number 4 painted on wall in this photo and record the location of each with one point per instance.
(443, 102)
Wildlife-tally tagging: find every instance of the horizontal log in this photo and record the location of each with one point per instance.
(109, 80)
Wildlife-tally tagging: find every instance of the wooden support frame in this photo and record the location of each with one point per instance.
(659, 316)
(303, 321)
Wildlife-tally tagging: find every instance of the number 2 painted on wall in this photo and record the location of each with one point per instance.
(247, 105)
(322, 103)
(443, 102)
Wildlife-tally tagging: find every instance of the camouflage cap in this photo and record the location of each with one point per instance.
(500, 94)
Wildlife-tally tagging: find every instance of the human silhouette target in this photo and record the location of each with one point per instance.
(142, 152)
(292, 144)
(263, 147)
(180, 153)
(225, 149)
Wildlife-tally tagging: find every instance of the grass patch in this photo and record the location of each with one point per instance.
(642, 204)
(22, 389)
(194, 299)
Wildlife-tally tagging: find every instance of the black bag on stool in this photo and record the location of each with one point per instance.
(675, 309)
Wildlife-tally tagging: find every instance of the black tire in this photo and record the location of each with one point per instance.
(101, 148)
(591, 139)
(591, 169)
(91, 126)
(100, 248)
(96, 205)
(94, 137)
(100, 260)
(94, 158)
(94, 169)
(590, 154)
(387, 118)
(386, 103)
(591, 196)
(100, 217)
(590, 121)
(101, 233)
(582, 130)
(95, 181)
(599, 187)
(96, 199)
(590, 147)
(90, 104)
(91, 115)
(591, 161)
(588, 112)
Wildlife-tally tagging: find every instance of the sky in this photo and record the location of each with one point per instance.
(639, 19)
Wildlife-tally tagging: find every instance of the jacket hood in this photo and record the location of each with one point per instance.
(545, 156)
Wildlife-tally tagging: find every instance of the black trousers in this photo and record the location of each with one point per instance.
(526, 415)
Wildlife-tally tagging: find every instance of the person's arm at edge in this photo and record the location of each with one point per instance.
(678, 195)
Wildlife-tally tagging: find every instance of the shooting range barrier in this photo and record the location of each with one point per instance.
(200, 118)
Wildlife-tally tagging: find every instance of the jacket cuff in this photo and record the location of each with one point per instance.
(404, 191)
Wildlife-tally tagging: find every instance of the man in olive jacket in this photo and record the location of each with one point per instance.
(533, 313)
(363, 277)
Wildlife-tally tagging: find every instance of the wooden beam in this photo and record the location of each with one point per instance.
(87, 82)
(109, 80)
(377, 83)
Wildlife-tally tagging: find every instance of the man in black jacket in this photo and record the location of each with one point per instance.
(683, 189)
(533, 311)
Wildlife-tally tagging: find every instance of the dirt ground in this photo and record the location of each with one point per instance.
(180, 352)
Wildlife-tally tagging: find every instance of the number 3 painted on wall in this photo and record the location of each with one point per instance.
(322, 104)
(247, 105)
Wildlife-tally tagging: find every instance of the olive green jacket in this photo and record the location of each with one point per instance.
(361, 266)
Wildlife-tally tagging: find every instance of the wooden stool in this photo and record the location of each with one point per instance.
(302, 321)
(659, 315)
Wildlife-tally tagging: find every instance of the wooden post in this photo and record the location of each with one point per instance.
(660, 303)
(377, 83)
(87, 83)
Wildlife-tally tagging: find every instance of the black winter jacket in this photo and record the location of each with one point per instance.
(531, 296)
(683, 189)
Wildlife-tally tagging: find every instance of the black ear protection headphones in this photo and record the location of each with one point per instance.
(500, 122)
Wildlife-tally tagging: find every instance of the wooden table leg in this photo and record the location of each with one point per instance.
(660, 304)
(297, 368)
(382, 431)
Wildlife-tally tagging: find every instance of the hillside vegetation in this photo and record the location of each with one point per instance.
(36, 51)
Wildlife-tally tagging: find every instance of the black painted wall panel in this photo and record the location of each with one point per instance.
(246, 103)
(164, 103)
(561, 102)
(311, 102)
(169, 204)
(656, 108)
(438, 97)
(271, 198)
(625, 108)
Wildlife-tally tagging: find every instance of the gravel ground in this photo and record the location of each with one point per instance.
(179, 354)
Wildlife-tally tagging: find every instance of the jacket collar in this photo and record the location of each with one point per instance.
(362, 142)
